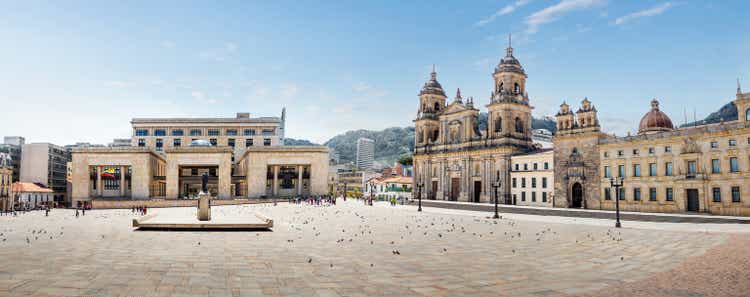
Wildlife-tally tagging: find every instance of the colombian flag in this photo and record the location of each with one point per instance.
(108, 173)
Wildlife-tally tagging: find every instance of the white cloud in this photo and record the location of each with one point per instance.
(555, 12)
(503, 11)
(361, 87)
(653, 11)
(167, 44)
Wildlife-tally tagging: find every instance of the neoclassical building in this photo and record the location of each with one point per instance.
(453, 159)
(169, 156)
(701, 168)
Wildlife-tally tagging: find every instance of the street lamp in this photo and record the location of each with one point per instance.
(496, 185)
(419, 195)
(616, 182)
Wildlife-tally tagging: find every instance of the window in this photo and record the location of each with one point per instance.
(544, 196)
(248, 132)
(535, 166)
(514, 182)
(268, 132)
(735, 194)
(523, 196)
(533, 182)
(734, 165)
(533, 196)
(714, 144)
(517, 167)
(526, 167)
(715, 166)
(747, 115)
(670, 194)
(159, 144)
(141, 142)
(635, 152)
(499, 124)
(523, 182)
(196, 132)
(636, 169)
(636, 194)
(546, 165)
(652, 169)
(213, 141)
(544, 182)
(606, 154)
(607, 194)
(651, 151)
(141, 132)
(691, 167)
(214, 132)
(248, 142)
(667, 149)
(177, 132)
(620, 153)
(732, 142)
(622, 193)
(621, 170)
(177, 142)
(160, 132)
(519, 125)
(652, 194)
(231, 132)
(266, 141)
(607, 174)
(230, 142)
(717, 194)
(668, 169)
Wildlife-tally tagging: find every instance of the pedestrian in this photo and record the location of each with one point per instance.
(76, 212)
(83, 211)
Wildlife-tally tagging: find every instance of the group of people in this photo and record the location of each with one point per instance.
(141, 210)
(314, 200)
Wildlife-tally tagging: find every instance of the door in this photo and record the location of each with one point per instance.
(477, 190)
(455, 188)
(434, 190)
(692, 200)
(577, 196)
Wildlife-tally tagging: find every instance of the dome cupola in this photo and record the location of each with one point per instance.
(432, 86)
(655, 121)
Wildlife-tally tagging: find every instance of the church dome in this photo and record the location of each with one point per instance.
(655, 120)
(509, 63)
(200, 142)
(432, 86)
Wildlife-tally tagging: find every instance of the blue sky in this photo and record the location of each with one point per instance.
(79, 71)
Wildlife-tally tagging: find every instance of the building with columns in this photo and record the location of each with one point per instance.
(453, 159)
(174, 172)
(699, 168)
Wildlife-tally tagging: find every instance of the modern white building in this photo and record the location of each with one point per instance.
(365, 153)
(46, 164)
(532, 178)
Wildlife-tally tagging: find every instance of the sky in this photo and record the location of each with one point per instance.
(79, 71)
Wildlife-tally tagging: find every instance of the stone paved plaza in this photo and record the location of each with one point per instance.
(345, 250)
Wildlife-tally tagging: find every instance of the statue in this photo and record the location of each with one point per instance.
(204, 182)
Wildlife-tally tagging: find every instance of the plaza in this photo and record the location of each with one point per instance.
(350, 249)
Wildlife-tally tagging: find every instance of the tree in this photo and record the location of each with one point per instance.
(406, 160)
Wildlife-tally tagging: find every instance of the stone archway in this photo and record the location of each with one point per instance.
(576, 197)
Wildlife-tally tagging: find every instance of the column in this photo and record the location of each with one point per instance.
(122, 181)
(299, 179)
(275, 180)
(99, 190)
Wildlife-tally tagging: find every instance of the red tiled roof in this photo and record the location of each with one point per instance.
(21, 187)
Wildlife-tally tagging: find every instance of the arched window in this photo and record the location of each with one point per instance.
(500, 88)
(517, 89)
(499, 124)
(435, 135)
(420, 137)
(437, 106)
(747, 114)
(519, 125)
(424, 106)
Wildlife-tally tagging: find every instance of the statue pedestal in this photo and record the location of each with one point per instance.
(204, 207)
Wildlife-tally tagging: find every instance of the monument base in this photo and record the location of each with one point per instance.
(204, 207)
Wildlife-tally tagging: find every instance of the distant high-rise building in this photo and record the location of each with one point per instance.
(46, 164)
(12, 145)
(365, 153)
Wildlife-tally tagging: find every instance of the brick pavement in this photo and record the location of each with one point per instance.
(346, 250)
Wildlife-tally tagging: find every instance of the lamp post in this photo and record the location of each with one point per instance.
(616, 182)
(419, 196)
(496, 185)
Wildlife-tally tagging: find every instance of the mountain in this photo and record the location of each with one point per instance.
(303, 142)
(726, 113)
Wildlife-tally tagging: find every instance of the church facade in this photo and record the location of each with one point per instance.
(700, 168)
(453, 159)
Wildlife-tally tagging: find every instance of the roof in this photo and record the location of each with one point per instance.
(392, 180)
(655, 120)
(23, 187)
(204, 120)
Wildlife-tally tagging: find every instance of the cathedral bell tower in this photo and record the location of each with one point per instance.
(431, 104)
(509, 113)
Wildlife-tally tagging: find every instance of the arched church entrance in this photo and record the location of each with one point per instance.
(576, 200)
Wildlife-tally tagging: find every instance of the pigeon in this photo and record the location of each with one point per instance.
(309, 260)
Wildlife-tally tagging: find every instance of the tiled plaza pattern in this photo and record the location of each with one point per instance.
(344, 250)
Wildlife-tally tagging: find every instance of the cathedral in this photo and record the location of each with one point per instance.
(453, 159)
